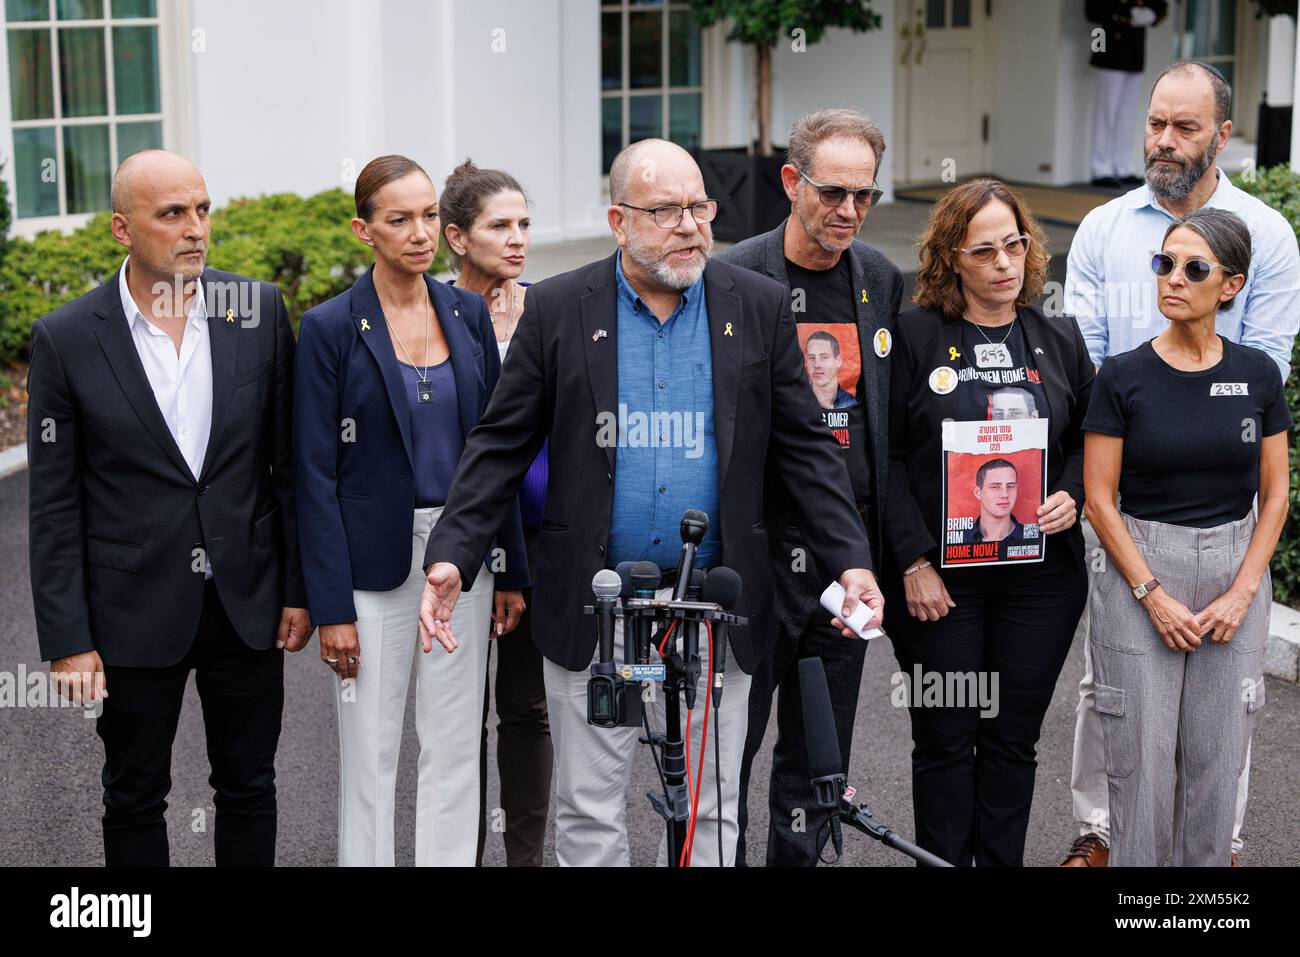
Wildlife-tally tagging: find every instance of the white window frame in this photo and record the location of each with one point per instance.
(625, 93)
(173, 90)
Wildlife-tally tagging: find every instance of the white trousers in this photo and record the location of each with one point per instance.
(1088, 785)
(448, 721)
(594, 765)
(1115, 122)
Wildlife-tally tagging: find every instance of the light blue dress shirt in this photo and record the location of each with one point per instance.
(1111, 291)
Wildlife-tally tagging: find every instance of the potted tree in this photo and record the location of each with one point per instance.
(746, 180)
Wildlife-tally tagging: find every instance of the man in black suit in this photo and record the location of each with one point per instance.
(1118, 45)
(162, 528)
(657, 328)
(835, 282)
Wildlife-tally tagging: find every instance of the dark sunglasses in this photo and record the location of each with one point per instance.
(833, 196)
(1195, 269)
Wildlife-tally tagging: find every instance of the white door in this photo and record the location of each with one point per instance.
(943, 82)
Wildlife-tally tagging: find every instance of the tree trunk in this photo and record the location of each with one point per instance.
(763, 96)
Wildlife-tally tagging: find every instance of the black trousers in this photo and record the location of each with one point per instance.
(797, 831)
(242, 695)
(525, 757)
(973, 775)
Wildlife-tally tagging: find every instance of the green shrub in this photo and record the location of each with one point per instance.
(304, 246)
(1280, 188)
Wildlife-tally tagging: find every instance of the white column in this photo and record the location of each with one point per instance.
(1279, 85)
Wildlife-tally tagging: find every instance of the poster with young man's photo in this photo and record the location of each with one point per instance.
(994, 480)
(833, 363)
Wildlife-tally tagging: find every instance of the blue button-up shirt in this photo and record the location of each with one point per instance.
(1110, 289)
(667, 459)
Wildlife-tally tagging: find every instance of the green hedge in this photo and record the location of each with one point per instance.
(304, 246)
(1280, 188)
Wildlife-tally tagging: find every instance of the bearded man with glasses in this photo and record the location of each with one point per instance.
(655, 332)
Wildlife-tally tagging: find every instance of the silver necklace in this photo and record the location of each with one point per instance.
(510, 314)
(1003, 341)
(423, 388)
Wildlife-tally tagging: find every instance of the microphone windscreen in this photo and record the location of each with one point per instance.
(624, 572)
(607, 584)
(696, 585)
(694, 524)
(722, 587)
(818, 720)
(645, 576)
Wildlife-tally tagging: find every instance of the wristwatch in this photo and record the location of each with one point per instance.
(1141, 591)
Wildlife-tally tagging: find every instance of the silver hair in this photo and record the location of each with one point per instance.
(1226, 235)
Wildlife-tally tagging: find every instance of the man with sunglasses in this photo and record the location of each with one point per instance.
(835, 283)
(655, 332)
(1111, 290)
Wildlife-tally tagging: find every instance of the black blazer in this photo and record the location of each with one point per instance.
(916, 414)
(115, 514)
(1125, 44)
(561, 372)
(873, 273)
(356, 495)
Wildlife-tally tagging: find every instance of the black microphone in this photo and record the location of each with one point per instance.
(822, 739)
(691, 632)
(722, 588)
(624, 571)
(606, 586)
(644, 579)
(694, 524)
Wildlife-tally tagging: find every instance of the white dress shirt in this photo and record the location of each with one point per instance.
(182, 384)
(1111, 291)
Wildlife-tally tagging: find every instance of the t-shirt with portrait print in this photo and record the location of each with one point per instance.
(997, 379)
(827, 324)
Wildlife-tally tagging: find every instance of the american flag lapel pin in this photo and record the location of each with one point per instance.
(598, 335)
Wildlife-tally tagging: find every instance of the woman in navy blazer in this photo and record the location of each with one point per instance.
(390, 379)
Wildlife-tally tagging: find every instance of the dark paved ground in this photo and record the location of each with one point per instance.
(50, 762)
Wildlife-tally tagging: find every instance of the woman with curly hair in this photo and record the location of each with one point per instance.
(977, 349)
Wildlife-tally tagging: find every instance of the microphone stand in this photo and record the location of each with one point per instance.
(860, 818)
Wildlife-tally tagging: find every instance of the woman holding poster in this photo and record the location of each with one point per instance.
(983, 546)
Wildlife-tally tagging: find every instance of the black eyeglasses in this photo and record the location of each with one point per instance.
(983, 254)
(1195, 269)
(669, 217)
(832, 195)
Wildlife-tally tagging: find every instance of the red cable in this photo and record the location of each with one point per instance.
(667, 635)
(699, 774)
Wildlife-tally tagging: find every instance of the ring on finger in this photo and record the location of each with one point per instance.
(331, 661)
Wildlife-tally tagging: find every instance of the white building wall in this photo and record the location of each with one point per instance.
(846, 69)
(298, 95)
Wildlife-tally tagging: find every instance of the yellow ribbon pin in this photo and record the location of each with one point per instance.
(365, 325)
(864, 296)
(727, 331)
(953, 354)
(230, 315)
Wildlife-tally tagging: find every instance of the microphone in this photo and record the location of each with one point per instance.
(694, 524)
(691, 631)
(644, 580)
(607, 585)
(722, 587)
(822, 739)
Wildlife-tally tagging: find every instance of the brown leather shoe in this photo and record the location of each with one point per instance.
(1088, 851)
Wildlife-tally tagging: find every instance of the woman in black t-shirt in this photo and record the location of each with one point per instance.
(1187, 429)
(977, 351)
